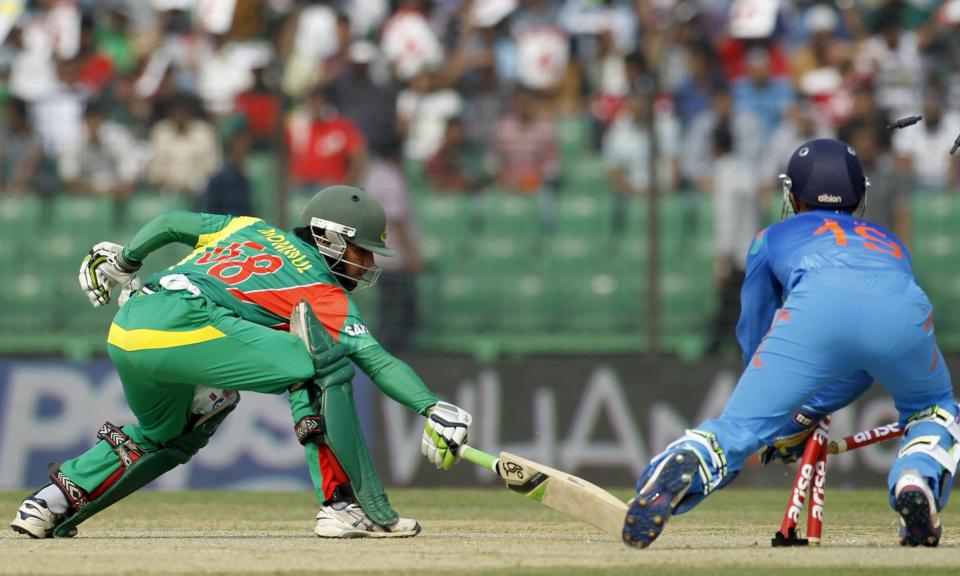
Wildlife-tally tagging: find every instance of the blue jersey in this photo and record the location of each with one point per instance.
(784, 254)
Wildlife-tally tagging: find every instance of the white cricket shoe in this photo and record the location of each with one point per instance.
(36, 520)
(348, 520)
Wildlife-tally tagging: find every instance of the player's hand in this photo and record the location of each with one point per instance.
(444, 433)
(103, 269)
(789, 447)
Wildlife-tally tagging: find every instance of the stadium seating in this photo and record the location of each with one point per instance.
(515, 215)
(261, 169)
(84, 213)
(500, 276)
(446, 229)
(585, 215)
(141, 208)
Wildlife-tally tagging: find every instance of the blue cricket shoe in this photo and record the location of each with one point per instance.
(657, 498)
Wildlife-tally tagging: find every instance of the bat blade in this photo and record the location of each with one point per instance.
(563, 492)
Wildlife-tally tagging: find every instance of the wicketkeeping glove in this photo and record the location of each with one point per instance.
(103, 269)
(444, 433)
(789, 447)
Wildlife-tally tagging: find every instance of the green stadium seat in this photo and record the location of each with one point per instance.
(774, 212)
(28, 298)
(635, 221)
(445, 216)
(526, 302)
(295, 204)
(19, 213)
(935, 244)
(568, 252)
(949, 284)
(632, 252)
(604, 302)
(684, 219)
(934, 210)
(443, 253)
(585, 215)
(79, 212)
(464, 300)
(144, 207)
(80, 319)
(445, 229)
(416, 179)
(687, 298)
(262, 171)
(501, 253)
(573, 133)
(514, 215)
(584, 175)
(65, 248)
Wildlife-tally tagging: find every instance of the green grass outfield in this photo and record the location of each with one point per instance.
(466, 532)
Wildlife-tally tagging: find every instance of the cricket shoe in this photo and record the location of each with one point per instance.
(347, 520)
(919, 521)
(36, 520)
(655, 501)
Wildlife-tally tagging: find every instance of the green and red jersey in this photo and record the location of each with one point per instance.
(261, 272)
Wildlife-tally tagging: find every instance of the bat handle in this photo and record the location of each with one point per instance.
(480, 458)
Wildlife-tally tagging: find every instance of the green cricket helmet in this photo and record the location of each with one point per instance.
(341, 215)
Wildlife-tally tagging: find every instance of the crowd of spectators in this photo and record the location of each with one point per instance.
(111, 97)
(123, 93)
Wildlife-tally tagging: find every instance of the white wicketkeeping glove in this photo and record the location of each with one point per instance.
(444, 433)
(103, 269)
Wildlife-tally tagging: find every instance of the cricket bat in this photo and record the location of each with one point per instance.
(555, 489)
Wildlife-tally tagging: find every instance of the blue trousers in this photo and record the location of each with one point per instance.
(835, 334)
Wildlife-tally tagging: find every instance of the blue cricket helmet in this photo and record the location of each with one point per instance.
(826, 173)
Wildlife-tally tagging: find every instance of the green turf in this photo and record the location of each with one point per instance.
(466, 532)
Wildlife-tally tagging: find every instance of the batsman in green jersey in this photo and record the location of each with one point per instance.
(252, 308)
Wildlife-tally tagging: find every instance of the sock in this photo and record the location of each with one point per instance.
(56, 501)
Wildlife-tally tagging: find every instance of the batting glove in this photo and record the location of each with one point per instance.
(789, 447)
(444, 433)
(128, 290)
(103, 269)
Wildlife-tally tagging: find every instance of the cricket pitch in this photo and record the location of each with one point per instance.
(488, 531)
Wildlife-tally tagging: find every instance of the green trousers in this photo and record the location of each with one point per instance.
(164, 345)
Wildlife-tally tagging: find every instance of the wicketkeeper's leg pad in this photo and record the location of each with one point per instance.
(338, 425)
(931, 446)
(139, 467)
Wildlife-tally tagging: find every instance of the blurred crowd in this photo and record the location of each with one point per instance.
(113, 97)
(105, 97)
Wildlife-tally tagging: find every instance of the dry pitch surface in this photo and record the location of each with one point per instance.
(466, 532)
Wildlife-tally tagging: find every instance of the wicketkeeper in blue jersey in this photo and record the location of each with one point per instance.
(829, 304)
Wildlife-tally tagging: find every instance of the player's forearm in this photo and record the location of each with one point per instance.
(173, 226)
(396, 378)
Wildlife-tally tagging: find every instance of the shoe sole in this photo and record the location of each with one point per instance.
(914, 509)
(350, 534)
(25, 532)
(649, 511)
